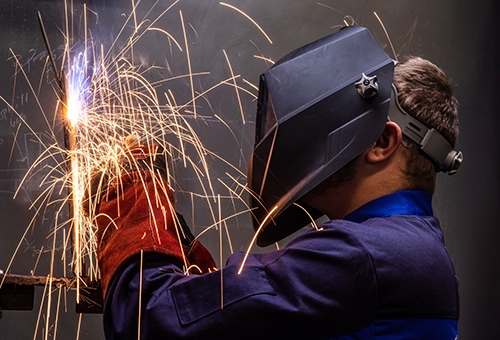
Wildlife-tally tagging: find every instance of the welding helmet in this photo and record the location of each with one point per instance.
(319, 107)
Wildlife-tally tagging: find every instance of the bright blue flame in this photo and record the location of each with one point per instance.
(78, 81)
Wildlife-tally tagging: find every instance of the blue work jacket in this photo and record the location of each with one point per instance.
(381, 273)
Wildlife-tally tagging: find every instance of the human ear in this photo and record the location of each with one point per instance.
(386, 144)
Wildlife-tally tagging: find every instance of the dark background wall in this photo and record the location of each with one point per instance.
(460, 36)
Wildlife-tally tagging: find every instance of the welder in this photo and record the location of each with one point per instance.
(342, 130)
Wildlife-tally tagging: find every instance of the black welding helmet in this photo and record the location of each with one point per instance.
(319, 107)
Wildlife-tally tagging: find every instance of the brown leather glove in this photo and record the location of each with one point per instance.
(137, 213)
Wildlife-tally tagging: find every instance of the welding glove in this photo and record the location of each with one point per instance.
(137, 213)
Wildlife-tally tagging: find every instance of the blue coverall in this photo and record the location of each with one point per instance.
(381, 273)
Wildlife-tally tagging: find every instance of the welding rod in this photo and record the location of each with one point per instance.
(51, 56)
(69, 140)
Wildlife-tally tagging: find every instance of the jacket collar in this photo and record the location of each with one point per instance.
(404, 202)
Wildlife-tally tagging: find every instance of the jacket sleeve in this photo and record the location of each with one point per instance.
(321, 285)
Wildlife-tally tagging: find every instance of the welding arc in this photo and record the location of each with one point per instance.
(49, 50)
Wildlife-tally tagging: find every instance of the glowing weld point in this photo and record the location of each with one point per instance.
(255, 237)
(73, 110)
(76, 87)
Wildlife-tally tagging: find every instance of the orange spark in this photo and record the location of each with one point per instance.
(255, 237)
(246, 15)
(387, 35)
(235, 86)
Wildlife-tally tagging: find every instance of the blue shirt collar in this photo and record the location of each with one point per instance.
(405, 202)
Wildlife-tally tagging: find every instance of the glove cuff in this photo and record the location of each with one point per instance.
(200, 260)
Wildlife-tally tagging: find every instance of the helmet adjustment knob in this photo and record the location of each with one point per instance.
(367, 86)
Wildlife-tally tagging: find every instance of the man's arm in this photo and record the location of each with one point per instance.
(321, 285)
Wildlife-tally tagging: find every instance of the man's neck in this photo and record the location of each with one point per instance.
(369, 183)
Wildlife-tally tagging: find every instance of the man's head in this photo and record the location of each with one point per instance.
(318, 108)
(394, 162)
(321, 109)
